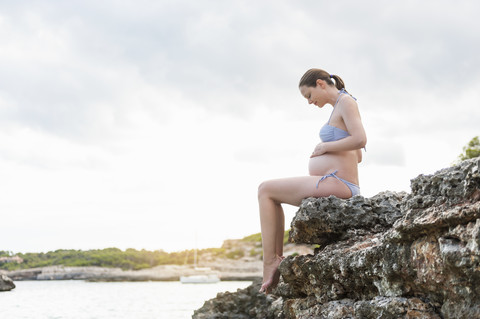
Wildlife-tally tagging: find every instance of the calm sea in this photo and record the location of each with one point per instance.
(120, 300)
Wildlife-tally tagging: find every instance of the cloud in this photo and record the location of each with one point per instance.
(232, 58)
(385, 153)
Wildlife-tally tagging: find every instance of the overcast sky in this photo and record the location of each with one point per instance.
(150, 124)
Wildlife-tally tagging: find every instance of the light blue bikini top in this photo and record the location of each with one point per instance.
(330, 133)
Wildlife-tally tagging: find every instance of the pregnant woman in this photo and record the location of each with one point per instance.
(332, 167)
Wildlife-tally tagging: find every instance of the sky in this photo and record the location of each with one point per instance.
(150, 124)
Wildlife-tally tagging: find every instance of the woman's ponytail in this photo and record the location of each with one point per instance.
(311, 76)
(338, 82)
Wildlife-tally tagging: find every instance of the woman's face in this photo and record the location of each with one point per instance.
(314, 95)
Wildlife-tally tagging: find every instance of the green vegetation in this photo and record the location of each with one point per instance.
(5, 253)
(258, 237)
(235, 254)
(254, 252)
(130, 259)
(471, 150)
(253, 238)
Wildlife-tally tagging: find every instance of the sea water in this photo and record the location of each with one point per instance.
(77, 299)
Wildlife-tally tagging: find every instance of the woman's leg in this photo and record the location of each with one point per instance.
(280, 231)
(271, 194)
(271, 221)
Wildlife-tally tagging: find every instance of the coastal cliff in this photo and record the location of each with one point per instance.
(395, 255)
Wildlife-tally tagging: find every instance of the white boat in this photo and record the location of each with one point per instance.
(200, 279)
(202, 275)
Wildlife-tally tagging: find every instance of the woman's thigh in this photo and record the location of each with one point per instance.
(293, 190)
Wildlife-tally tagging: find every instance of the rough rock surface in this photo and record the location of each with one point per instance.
(6, 283)
(327, 220)
(394, 255)
(243, 304)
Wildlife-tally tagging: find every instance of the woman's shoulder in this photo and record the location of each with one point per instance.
(348, 104)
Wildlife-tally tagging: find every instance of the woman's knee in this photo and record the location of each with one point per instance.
(264, 189)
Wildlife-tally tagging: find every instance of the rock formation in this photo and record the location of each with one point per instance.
(395, 255)
(6, 283)
(243, 304)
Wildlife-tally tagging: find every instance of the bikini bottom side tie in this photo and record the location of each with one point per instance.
(355, 189)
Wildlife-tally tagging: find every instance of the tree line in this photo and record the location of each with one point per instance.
(130, 259)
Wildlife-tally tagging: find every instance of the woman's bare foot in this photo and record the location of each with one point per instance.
(271, 274)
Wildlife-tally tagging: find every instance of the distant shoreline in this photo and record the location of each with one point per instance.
(227, 270)
(236, 260)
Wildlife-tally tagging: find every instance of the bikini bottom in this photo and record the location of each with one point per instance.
(355, 189)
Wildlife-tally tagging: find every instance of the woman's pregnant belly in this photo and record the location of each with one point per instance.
(344, 162)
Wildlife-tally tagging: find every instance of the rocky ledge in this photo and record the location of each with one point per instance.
(395, 255)
(6, 283)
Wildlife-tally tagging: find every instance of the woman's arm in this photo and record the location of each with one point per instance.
(357, 139)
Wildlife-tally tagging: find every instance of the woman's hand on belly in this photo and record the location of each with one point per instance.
(320, 149)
